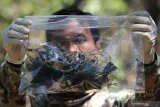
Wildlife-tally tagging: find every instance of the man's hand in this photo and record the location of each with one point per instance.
(144, 33)
(15, 39)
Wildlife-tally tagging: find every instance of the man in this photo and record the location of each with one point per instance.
(17, 33)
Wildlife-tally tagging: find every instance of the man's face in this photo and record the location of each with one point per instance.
(75, 38)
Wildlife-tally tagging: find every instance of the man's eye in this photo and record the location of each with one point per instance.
(78, 39)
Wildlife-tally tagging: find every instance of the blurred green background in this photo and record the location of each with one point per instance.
(12, 9)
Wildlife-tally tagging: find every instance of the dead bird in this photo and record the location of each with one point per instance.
(72, 71)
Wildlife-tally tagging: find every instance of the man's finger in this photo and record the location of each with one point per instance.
(22, 21)
(139, 19)
(140, 27)
(17, 35)
(144, 37)
(139, 13)
(19, 28)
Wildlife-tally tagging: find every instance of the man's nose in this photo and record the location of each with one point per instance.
(74, 48)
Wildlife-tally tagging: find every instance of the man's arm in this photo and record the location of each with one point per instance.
(144, 34)
(14, 38)
(9, 79)
(14, 43)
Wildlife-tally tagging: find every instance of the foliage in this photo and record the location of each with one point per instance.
(106, 7)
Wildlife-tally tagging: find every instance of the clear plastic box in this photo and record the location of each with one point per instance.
(81, 53)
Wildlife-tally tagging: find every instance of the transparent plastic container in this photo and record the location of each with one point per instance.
(81, 53)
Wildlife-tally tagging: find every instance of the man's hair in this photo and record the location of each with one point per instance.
(73, 11)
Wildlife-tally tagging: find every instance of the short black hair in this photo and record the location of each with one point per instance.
(73, 11)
